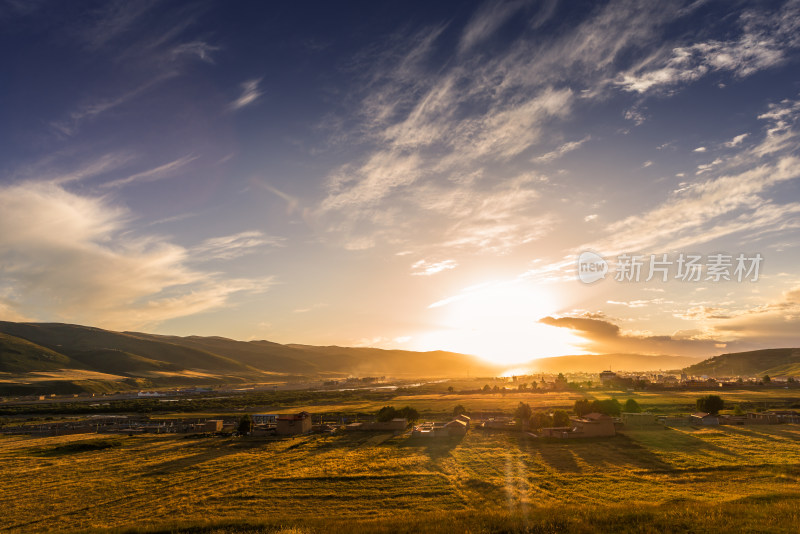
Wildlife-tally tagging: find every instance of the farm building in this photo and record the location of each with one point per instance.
(594, 425)
(456, 427)
(291, 424)
(397, 424)
(264, 419)
(638, 419)
(464, 418)
(213, 425)
(732, 419)
(703, 418)
(557, 432)
(453, 428)
(499, 423)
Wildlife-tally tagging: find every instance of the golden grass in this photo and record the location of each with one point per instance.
(150, 480)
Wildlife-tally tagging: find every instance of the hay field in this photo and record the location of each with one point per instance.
(363, 479)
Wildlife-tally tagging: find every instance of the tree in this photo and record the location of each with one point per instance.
(459, 410)
(523, 413)
(710, 404)
(450, 389)
(737, 410)
(766, 379)
(411, 414)
(582, 407)
(487, 388)
(631, 406)
(608, 407)
(245, 424)
(522, 387)
(560, 382)
(541, 420)
(561, 418)
(387, 413)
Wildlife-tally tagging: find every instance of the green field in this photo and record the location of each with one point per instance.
(642, 481)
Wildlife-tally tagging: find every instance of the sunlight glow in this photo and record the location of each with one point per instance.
(499, 322)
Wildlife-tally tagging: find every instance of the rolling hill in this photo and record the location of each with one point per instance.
(21, 356)
(171, 360)
(595, 363)
(773, 362)
(142, 360)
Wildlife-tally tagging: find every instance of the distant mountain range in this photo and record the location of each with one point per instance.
(141, 359)
(38, 355)
(773, 362)
(595, 363)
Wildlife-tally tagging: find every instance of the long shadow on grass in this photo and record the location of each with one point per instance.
(765, 432)
(434, 447)
(620, 451)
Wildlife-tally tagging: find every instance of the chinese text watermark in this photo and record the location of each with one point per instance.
(663, 267)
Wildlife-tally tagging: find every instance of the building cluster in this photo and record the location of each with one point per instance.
(458, 427)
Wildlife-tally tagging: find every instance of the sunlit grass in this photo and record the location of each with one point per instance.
(150, 478)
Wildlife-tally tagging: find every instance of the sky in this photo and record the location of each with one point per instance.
(415, 175)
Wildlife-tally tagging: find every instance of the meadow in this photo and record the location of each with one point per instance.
(662, 480)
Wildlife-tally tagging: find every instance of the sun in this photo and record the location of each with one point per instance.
(498, 321)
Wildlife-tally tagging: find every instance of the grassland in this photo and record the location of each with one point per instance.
(642, 481)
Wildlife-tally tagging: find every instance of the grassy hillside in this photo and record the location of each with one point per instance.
(135, 354)
(21, 356)
(751, 363)
(595, 363)
(82, 341)
(371, 361)
(263, 355)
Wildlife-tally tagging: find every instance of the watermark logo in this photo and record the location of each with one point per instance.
(662, 267)
(591, 267)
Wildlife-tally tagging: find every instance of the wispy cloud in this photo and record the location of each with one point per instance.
(235, 245)
(112, 20)
(152, 175)
(105, 164)
(200, 49)
(733, 200)
(736, 141)
(70, 256)
(486, 22)
(250, 93)
(426, 268)
(438, 127)
(560, 151)
(88, 111)
(765, 41)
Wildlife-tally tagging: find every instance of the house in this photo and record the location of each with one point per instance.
(732, 419)
(457, 427)
(703, 418)
(453, 428)
(213, 425)
(594, 425)
(264, 419)
(292, 424)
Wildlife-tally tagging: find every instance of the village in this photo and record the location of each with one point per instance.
(588, 425)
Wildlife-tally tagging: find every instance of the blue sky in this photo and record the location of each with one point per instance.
(402, 174)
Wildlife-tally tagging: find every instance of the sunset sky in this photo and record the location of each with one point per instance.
(418, 175)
